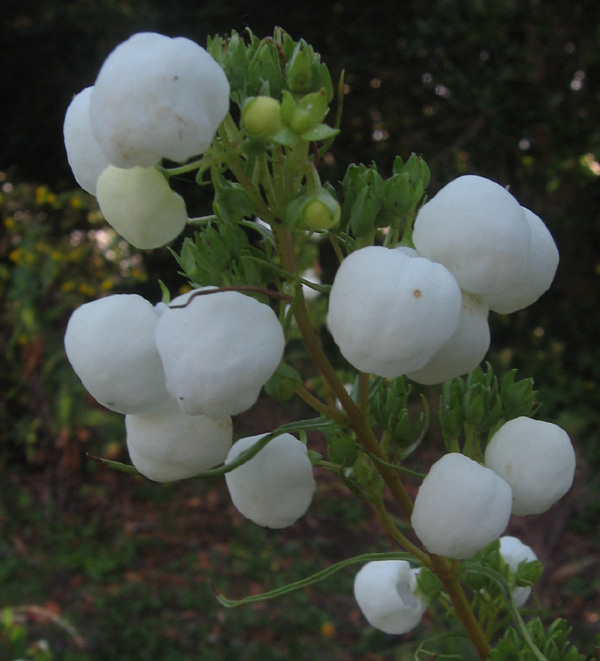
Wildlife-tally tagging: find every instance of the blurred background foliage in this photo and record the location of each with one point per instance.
(508, 89)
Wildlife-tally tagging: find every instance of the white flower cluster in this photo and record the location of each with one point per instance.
(177, 372)
(463, 506)
(154, 98)
(424, 313)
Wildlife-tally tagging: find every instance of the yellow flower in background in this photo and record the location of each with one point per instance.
(327, 630)
(86, 289)
(19, 256)
(40, 194)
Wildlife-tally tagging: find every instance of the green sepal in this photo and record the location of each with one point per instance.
(314, 457)
(319, 133)
(298, 70)
(254, 146)
(287, 107)
(286, 137)
(265, 76)
(429, 585)
(166, 294)
(529, 573)
(518, 397)
(283, 383)
(342, 449)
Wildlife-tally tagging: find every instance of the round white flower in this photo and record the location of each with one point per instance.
(536, 458)
(165, 444)
(141, 206)
(514, 552)
(479, 232)
(110, 345)
(218, 351)
(464, 350)
(275, 488)
(460, 507)
(390, 312)
(86, 158)
(385, 593)
(541, 265)
(157, 97)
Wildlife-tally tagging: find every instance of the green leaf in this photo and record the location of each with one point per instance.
(310, 580)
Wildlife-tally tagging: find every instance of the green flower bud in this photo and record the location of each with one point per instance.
(260, 117)
(301, 121)
(321, 211)
(474, 407)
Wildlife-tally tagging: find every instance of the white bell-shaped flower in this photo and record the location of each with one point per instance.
(385, 591)
(218, 351)
(460, 507)
(110, 345)
(390, 312)
(141, 206)
(514, 552)
(479, 232)
(86, 158)
(165, 444)
(157, 97)
(275, 488)
(542, 262)
(464, 350)
(536, 458)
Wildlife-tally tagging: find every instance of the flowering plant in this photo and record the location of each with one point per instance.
(415, 281)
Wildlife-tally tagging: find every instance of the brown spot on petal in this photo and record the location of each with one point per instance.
(417, 293)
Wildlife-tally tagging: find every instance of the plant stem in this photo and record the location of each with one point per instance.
(357, 418)
(455, 591)
(358, 421)
(404, 542)
(320, 406)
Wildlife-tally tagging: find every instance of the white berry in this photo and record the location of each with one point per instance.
(478, 231)
(536, 458)
(275, 488)
(110, 345)
(157, 97)
(385, 593)
(514, 552)
(460, 507)
(86, 158)
(218, 351)
(464, 350)
(541, 264)
(390, 312)
(141, 206)
(165, 444)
